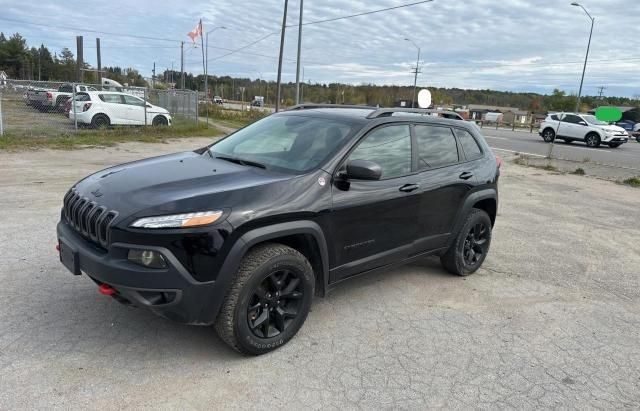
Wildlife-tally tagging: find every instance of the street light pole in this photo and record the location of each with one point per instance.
(206, 68)
(415, 78)
(586, 57)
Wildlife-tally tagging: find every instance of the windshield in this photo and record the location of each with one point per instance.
(284, 143)
(593, 120)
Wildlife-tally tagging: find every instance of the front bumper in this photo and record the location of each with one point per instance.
(171, 292)
(616, 139)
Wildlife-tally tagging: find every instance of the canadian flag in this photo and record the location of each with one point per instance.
(196, 32)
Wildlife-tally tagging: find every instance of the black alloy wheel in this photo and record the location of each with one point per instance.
(275, 303)
(475, 244)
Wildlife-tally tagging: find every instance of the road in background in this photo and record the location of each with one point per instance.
(627, 155)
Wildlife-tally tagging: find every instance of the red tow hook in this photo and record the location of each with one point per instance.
(106, 289)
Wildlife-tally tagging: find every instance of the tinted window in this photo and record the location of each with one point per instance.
(111, 98)
(133, 101)
(570, 118)
(288, 143)
(469, 144)
(436, 146)
(554, 117)
(390, 147)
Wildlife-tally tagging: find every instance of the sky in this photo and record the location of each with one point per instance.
(511, 45)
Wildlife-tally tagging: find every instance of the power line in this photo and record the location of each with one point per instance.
(325, 21)
(85, 30)
(363, 13)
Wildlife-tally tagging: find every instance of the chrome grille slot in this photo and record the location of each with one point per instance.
(88, 218)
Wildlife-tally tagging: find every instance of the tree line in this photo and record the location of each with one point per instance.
(20, 61)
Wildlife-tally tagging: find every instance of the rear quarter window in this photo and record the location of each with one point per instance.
(469, 144)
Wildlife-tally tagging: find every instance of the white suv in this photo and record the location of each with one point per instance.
(582, 127)
(105, 108)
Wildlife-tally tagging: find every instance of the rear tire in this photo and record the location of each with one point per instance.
(100, 121)
(268, 301)
(592, 140)
(471, 245)
(548, 135)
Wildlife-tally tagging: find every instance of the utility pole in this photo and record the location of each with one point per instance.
(153, 77)
(416, 71)
(299, 52)
(79, 60)
(39, 62)
(99, 61)
(601, 92)
(586, 57)
(284, 26)
(182, 65)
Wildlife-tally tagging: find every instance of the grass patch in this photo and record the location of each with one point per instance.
(549, 167)
(69, 140)
(579, 171)
(232, 118)
(633, 181)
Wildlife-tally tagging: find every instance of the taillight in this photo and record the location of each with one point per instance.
(86, 106)
(499, 161)
(49, 96)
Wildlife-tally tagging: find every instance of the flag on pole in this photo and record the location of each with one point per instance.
(197, 31)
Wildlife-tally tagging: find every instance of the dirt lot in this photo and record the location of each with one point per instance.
(552, 320)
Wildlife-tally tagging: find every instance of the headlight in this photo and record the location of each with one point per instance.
(179, 220)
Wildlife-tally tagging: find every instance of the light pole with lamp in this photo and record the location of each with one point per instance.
(415, 79)
(206, 68)
(586, 57)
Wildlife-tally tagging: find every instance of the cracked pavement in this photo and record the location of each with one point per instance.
(552, 320)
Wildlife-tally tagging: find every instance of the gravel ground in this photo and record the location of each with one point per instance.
(552, 320)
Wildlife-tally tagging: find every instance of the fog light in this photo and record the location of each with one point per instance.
(147, 258)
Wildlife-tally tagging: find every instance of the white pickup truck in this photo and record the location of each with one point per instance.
(47, 100)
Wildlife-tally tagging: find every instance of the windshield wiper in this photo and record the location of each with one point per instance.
(241, 161)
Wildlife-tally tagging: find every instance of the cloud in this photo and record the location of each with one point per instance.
(507, 45)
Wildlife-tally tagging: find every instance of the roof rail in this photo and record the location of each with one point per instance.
(307, 106)
(385, 112)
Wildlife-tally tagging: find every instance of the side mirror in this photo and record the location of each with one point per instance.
(363, 170)
(149, 106)
(584, 123)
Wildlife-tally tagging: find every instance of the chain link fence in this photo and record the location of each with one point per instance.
(40, 109)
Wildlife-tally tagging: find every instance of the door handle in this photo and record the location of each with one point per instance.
(466, 175)
(407, 188)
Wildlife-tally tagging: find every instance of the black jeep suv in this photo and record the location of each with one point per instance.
(243, 233)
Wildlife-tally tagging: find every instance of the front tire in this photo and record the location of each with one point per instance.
(471, 245)
(268, 300)
(548, 135)
(592, 140)
(160, 121)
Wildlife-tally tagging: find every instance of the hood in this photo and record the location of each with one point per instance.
(167, 183)
(613, 129)
(157, 109)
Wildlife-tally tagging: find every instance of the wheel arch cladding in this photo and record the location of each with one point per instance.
(489, 206)
(304, 236)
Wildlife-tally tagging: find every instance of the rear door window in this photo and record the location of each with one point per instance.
(111, 98)
(436, 146)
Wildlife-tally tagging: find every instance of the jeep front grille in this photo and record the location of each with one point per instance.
(88, 218)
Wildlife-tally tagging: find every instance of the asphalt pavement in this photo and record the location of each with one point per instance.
(523, 142)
